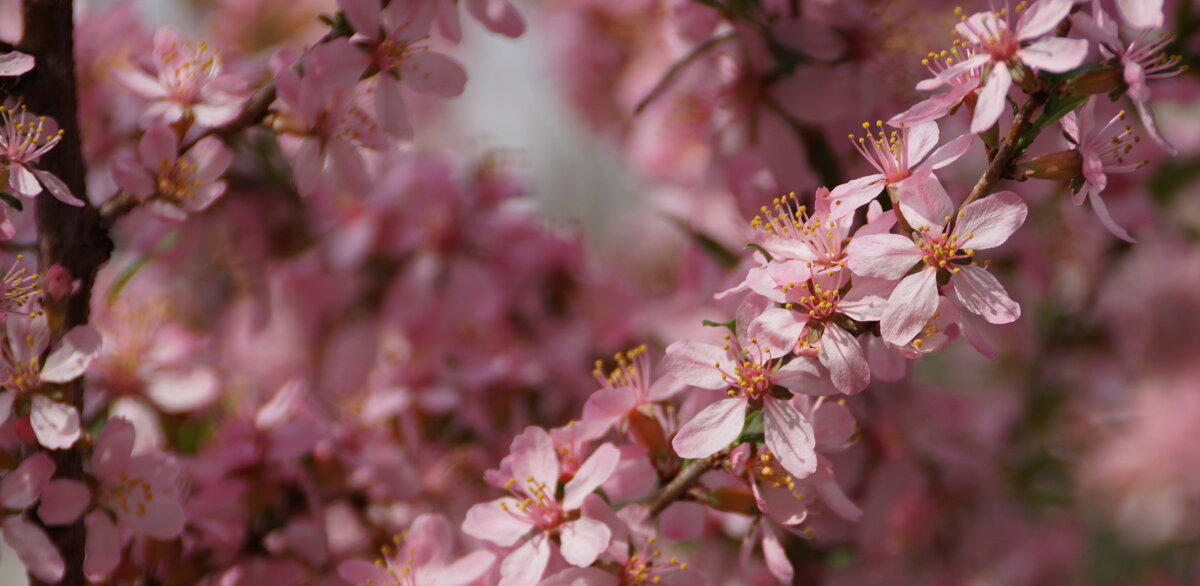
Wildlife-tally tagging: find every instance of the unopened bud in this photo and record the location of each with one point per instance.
(1058, 165)
(58, 283)
(733, 499)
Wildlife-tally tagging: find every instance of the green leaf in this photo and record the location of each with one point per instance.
(12, 201)
(731, 325)
(761, 250)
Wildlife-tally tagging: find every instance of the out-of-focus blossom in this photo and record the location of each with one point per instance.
(421, 558)
(170, 185)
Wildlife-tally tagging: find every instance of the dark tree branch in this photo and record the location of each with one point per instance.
(686, 478)
(74, 237)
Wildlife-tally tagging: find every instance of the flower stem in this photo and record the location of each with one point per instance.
(687, 477)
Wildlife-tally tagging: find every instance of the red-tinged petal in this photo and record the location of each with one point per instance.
(55, 424)
(887, 256)
(584, 540)
(63, 501)
(35, 549)
(103, 548)
(73, 355)
(992, 99)
(433, 73)
(533, 456)
(841, 353)
(979, 292)
(526, 564)
(595, 471)
(711, 430)
(1142, 14)
(15, 63)
(491, 522)
(848, 197)
(911, 305)
(1055, 54)
(1106, 218)
(1041, 18)
(989, 222)
(694, 363)
(20, 488)
(789, 435)
(924, 203)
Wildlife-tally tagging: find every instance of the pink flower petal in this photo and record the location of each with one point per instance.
(910, 307)
(780, 328)
(363, 572)
(1142, 14)
(433, 73)
(1041, 18)
(779, 503)
(57, 188)
(103, 548)
(15, 63)
(1106, 218)
(694, 363)
(467, 570)
(20, 488)
(63, 501)
(595, 471)
(55, 424)
(848, 197)
(73, 355)
(584, 540)
(992, 99)
(363, 16)
(924, 202)
(182, 392)
(841, 353)
(711, 430)
(833, 425)
(919, 140)
(1055, 54)
(390, 109)
(22, 181)
(682, 520)
(582, 577)
(776, 558)
(491, 522)
(979, 292)
(886, 363)
(805, 376)
(887, 256)
(158, 147)
(951, 151)
(533, 456)
(130, 175)
(789, 435)
(988, 222)
(526, 564)
(35, 549)
(835, 498)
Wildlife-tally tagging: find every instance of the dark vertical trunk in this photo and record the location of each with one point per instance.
(73, 237)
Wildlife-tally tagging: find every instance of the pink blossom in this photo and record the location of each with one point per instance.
(997, 41)
(15, 63)
(55, 424)
(944, 245)
(1141, 14)
(141, 490)
(1140, 59)
(1103, 150)
(62, 502)
(392, 36)
(962, 82)
(323, 110)
(184, 82)
(420, 560)
(896, 156)
(18, 289)
(629, 388)
(173, 186)
(24, 138)
(534, 513)
(747, 369)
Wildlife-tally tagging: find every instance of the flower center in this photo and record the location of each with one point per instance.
(25, 137)
(750, 375)
(536, 505)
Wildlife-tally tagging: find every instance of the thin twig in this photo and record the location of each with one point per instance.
(677, 67)
(1005, 153)
(687, 477)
